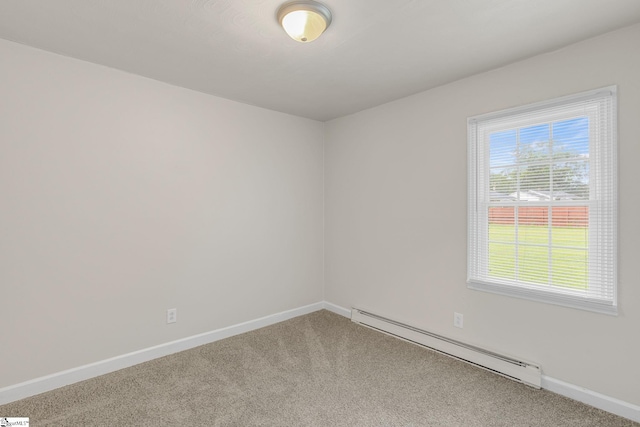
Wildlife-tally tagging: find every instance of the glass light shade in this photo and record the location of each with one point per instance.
(304, 25)
(304, 21)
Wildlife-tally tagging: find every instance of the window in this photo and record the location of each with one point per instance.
(542, 201)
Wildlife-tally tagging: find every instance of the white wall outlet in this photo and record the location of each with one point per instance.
(172, 315)
(458, 320)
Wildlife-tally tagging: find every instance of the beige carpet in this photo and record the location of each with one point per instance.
(315, 370)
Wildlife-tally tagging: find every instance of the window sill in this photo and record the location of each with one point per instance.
(546, 297)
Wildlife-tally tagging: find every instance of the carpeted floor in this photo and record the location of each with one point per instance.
(316, 370)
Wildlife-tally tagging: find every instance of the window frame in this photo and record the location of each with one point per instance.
(478, 200)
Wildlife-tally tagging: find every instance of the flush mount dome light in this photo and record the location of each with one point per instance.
(304, 21)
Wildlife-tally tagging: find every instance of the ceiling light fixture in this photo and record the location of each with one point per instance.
(304, 20)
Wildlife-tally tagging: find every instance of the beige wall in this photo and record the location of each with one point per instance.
(122, 197)
(395, 217)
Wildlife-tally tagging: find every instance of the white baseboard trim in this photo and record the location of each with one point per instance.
(85, 372)
(592, 398)
(337, 309)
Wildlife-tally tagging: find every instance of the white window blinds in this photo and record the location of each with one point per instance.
(542, 201)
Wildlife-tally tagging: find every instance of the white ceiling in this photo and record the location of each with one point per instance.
(375, 51)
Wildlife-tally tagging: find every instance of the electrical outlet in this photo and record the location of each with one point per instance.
(172, 315)
(458, 320)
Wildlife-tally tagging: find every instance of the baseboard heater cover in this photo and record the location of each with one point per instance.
(517, 370)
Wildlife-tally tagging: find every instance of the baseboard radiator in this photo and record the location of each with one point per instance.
(514, 369)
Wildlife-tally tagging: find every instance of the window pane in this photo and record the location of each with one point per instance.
(534, 182)
(572, 136)
(571, 159)
(502, 184)
(570, 180)
(502, 261)
(535, 136)
(502, 148)
(533, 215)
(502, 178)
(533, 264)
(533, 234)
(570, 225)
(569, 268)
(502, 224)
